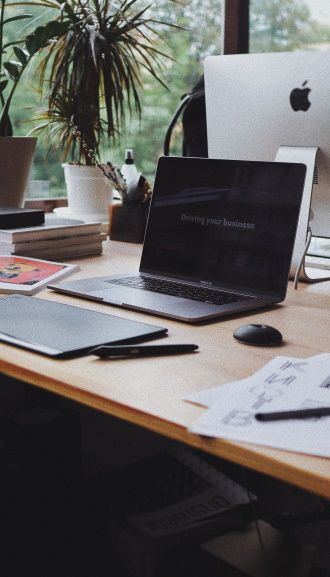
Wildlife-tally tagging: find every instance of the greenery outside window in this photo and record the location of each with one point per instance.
(200, 35)
(284, 25)
(273, 25)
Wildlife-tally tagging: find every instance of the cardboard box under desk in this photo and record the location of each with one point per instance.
(241, 550)
(162, 508)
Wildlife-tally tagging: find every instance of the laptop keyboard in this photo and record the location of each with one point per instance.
(200, 294)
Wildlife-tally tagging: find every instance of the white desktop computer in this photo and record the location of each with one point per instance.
(256, 103)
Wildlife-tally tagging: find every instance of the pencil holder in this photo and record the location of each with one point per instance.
(128, 221)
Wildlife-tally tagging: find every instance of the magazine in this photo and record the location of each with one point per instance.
(19, 274)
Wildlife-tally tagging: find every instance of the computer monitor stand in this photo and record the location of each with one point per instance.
(305, 155)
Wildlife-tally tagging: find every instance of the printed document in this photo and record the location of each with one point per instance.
(285, 383)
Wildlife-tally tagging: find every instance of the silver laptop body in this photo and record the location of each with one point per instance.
(219, 241)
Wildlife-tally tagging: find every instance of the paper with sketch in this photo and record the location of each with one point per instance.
(209, 397)
(285, 384)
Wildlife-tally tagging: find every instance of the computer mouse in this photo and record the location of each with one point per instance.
(262, 335)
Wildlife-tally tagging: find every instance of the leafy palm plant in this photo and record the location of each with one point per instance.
(15, 57)
(93, 72)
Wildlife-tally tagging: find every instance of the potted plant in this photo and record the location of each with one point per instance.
(16, 152)
(91, 77)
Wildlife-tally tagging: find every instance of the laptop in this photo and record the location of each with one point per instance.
(218, 241)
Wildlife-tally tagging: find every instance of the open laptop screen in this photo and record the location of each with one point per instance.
(224, 222)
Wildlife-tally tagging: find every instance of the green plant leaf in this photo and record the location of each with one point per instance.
(43, 34)
(3, 85)
(6, 127)
(20, 54)
(12, 69)
(18, 17)
(55, 29)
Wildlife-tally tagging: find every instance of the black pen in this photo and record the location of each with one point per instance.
(112, 351)
(298, 414)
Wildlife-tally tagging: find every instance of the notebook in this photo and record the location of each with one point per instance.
(65, 331)
(219, 240)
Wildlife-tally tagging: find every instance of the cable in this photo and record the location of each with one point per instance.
(301, 262)
(167, 139)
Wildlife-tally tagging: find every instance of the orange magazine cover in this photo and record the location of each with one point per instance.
(29, 275)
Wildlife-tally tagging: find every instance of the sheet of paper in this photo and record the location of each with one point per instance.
(294, 384)
(209, 397)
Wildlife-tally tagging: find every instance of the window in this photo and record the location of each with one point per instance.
(277, 25)
(250, 25)
(200, 35)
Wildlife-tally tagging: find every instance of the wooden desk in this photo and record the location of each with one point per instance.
(148, 392)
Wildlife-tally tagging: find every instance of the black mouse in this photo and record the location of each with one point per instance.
(262, 335)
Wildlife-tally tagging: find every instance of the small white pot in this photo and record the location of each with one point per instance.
(89, 191)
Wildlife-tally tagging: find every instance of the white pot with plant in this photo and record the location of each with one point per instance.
(91, 77)
(89, 191)
(16, 152)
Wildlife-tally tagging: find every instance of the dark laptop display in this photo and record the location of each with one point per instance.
(219, 240)
(226, 223)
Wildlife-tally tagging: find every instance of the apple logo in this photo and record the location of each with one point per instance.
(299, 98)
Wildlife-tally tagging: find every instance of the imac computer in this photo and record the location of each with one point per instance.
(256, 103)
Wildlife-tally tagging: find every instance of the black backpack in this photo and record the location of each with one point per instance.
(193, 110)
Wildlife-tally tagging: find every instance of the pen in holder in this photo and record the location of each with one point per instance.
(129, 217)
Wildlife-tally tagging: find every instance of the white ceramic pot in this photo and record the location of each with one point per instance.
(89, 191)
(16, 155)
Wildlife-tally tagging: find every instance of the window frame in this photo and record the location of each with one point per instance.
(235, 18)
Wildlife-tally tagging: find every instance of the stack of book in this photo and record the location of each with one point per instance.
(56, 239)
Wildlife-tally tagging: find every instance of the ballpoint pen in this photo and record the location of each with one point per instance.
(113, 351)
(296, 414)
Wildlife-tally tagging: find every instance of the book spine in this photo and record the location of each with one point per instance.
(49, 233)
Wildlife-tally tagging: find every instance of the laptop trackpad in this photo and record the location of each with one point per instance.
(157, 303)
(122, 295)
